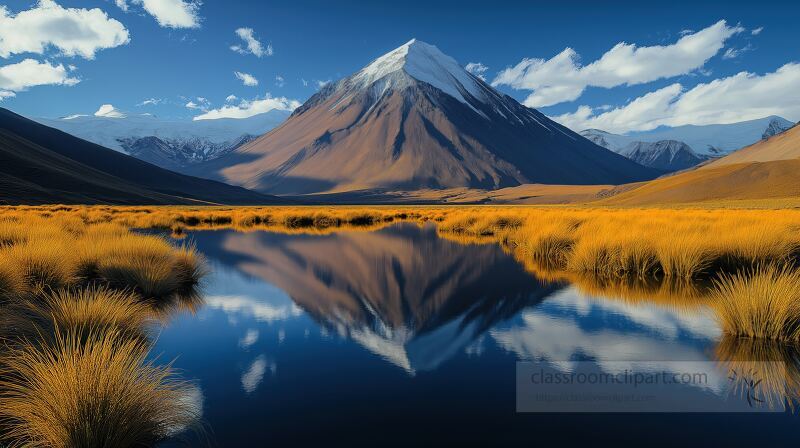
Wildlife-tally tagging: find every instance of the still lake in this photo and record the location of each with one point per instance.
(399, 337)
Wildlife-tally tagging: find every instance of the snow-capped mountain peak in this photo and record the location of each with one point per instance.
(426, 63)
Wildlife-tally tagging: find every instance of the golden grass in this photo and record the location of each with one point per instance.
(610, 242)
(95, 390)
(77, 299)
(39, 317)
(762, 303)
(66, 252)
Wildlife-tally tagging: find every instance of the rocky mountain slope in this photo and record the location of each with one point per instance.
(414, 119)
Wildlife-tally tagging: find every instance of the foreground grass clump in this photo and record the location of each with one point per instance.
(761, 303)
(65, 252)
(55, 312)
(89, 390)
(76, 300)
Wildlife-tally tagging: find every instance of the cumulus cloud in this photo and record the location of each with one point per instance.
(30, 73)
(246, 78)
(251, 44)
(249, 108)
(72, 31)
(231, 98)
(477, 69)
(109, 111)
(169, 13)
(562, 78)
(744, 96)
(6, 94)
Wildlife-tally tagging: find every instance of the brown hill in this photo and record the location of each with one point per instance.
(39, 165)
(784, 146)
(766, 170)
(414, 119)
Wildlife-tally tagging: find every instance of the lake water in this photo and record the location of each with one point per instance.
(398, 337)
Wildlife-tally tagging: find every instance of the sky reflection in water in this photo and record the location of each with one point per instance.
(397, 335)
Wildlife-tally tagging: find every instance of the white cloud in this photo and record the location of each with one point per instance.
(109, 111)
(757, 31)
(246, 78)
(247, 108)
(477, 69)
(198, 103)
(122, 4)
(231, 98)
(744, 96)
(732, 53)
(562, 78)
(321, 84)
(73, 31)
(151, 102)
(30, 73)
(171, 13)
(6, 94)
(279, 81)
(304, 81)
(251, 44)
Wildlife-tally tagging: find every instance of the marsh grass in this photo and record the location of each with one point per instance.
(89, 390)
(42, 316)
(76, 301)
(759, 303)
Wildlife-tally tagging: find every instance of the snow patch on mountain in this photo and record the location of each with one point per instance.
(426, 63)
(718, 139)
(171, 144)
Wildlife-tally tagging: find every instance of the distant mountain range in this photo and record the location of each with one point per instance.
(40, 165)
(675, 149)
(412, 119)
(170, 144)
(767, 169)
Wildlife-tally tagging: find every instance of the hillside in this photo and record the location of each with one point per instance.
(415, 119)
(44, 165)
(769, 169)
(784, 146)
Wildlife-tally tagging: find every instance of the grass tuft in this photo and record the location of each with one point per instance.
(90, 391)
(760, 303)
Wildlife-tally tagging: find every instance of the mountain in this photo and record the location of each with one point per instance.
(415, 119)
(769, 169)
(665, 155)
(357, 286)
(170, 144)
(44, 165)
(718, 139)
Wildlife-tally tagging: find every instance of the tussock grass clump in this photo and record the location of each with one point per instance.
(90, 391)
(54, 312)
(760, 303)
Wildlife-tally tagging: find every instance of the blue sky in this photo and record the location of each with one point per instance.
(178, 53)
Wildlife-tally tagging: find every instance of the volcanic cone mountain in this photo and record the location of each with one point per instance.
(415, 119)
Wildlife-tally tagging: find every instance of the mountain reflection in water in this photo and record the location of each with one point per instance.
(399, 328)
